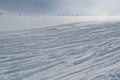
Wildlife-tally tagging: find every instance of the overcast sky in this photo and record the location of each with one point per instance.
(65, 7)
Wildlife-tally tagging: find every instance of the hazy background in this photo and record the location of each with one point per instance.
(63, 7)
(42, 13)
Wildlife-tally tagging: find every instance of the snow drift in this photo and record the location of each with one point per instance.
(76, 51)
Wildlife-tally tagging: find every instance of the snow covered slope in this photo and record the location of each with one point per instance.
(76, 51)
(15, 22)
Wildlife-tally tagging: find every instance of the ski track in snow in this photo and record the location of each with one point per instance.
(77, 51)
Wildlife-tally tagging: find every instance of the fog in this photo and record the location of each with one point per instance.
(63, 7)
(91, 7)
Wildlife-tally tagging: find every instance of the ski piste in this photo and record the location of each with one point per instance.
(76, 51)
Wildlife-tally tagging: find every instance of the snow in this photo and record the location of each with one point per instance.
(85, 50)
(15, 22)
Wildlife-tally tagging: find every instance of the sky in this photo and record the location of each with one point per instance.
(62, 7)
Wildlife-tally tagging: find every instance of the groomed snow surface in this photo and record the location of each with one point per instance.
(74, 51)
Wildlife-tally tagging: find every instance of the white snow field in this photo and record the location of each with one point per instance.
(87, 50)
(15, 22)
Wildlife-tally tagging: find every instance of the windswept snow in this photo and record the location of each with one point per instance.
(15, 22)
(76, 51)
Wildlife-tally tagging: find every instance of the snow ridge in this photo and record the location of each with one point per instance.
(77, 51)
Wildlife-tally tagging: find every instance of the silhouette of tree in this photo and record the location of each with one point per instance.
(76, 14)
(1, 13)
(19, 14)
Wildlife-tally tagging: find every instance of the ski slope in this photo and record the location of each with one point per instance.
(15, 22)
(74, 51)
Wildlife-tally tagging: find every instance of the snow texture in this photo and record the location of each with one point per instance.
(76, 51)
(15, 22)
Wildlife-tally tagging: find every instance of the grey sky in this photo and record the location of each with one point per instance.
(68, 7)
